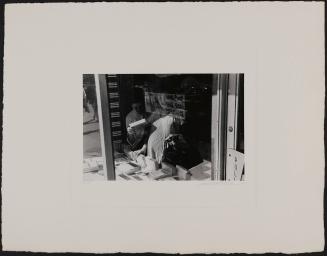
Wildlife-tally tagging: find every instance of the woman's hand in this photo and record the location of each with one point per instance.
(140, 151)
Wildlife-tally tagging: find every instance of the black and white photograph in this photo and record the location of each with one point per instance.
(163, 127)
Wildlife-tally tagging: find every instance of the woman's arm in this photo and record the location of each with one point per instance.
(141, 151)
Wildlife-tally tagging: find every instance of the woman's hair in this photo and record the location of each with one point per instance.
(138, 96)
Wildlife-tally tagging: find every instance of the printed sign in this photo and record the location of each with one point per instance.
(163, 104)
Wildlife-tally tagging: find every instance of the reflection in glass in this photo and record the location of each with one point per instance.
(92, 155)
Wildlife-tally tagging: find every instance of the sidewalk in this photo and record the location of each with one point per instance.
(91, 144)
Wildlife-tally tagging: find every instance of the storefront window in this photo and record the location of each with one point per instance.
(168, 126)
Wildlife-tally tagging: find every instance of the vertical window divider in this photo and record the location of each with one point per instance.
(105, 126)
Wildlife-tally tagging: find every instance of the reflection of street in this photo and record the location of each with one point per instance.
(91, 136)
(91, 144)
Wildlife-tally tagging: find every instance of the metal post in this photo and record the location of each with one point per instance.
(222, 124)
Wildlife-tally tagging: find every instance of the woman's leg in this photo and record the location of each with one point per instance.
(95, 108)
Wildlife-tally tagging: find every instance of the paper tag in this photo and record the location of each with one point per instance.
(234, 165)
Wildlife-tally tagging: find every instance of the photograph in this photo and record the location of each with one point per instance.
(163, 127)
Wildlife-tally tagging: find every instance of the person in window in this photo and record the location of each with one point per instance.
(136, 136)
(85, 106)
(180, 151)
(92, 100)
(167, 143)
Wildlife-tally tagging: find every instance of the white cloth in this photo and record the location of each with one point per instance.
(162, 128)
(138, 132)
